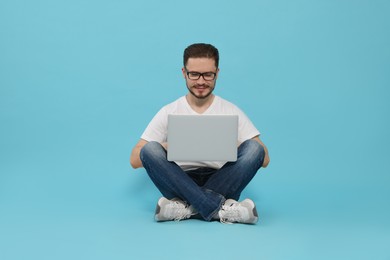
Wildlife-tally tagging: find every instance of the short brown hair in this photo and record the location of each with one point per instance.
(201, 50)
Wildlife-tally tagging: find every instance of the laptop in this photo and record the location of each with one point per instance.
(202, 138)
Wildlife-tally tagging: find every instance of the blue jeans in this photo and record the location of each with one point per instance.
(205, 189)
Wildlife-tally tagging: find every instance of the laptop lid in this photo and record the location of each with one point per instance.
(202, 137)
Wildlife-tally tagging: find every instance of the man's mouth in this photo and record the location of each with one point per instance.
(200, 87)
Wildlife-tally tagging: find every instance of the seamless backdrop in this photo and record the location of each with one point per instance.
(80, 80)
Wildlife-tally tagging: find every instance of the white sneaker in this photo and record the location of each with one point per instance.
(174, 209)
(238, 212)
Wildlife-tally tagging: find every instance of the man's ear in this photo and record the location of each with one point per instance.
(183, 70)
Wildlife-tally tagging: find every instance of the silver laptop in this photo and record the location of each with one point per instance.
(202, 137)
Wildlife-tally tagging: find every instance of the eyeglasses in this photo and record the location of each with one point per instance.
(196, 75)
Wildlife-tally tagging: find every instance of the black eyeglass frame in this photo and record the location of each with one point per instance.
(201, 75)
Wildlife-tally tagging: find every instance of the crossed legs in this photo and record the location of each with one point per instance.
(226, 183)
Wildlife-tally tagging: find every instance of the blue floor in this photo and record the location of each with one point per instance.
(96, 208)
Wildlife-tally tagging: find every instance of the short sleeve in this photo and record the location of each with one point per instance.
(157, 129)
(246, 129)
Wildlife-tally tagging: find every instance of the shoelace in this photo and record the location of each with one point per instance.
(182, 211)
(230, 213)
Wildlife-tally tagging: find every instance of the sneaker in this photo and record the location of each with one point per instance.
(174, 209)
(238, 212)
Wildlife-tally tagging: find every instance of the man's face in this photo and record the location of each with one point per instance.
(200, 86)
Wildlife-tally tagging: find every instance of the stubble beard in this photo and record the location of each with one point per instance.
(211, 89)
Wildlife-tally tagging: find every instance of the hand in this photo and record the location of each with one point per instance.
(165, 145)
(266, 161)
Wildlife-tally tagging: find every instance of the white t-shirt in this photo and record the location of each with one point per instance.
(157, 130)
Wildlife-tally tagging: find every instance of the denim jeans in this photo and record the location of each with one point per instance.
(205, 189)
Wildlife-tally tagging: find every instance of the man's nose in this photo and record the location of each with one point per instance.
(201, 80)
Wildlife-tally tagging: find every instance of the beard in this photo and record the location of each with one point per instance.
(190, 89)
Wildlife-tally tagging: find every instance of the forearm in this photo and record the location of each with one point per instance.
(135, 160)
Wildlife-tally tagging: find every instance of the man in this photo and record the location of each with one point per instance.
(209, 190)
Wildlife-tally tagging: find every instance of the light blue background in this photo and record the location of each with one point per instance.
(80, 80)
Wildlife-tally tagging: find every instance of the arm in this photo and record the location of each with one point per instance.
(266, 158)
(135, 161)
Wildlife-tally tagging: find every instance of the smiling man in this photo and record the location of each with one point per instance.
(209, 190)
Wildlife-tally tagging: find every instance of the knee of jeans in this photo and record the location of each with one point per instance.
(254, 150)
(151, 149)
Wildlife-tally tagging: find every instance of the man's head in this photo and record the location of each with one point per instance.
(201, 50)
(200, 69)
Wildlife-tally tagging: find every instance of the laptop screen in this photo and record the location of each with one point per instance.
(202, 137)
